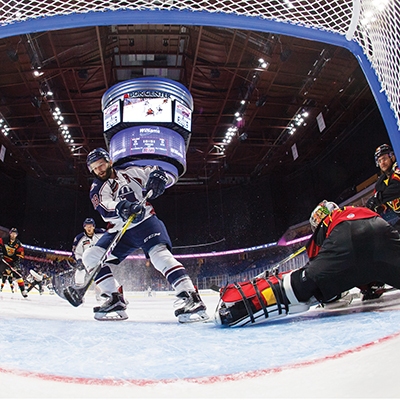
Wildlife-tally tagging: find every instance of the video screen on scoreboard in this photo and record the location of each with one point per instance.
(183, 116)
(147, 110)
(111, 116)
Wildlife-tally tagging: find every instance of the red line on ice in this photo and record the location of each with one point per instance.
(202, 380)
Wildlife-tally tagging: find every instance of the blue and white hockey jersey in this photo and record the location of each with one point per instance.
(129, 184)
(82, 242)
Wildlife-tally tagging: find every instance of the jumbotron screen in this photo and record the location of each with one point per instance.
(112, 116)
(147, 110)
(183, 116)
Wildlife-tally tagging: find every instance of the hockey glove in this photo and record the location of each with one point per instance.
(126, 208)
(156, 182)
(373, 203)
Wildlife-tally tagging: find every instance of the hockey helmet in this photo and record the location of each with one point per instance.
(89, 221)
(381, 150)
(323, 209)
(97, 154)
(15, 230)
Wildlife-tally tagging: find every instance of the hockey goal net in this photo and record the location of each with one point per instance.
(374, 25)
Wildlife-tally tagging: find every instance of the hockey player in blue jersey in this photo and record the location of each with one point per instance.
(116, 193)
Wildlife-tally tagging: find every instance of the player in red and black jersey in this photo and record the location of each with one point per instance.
(350, 247)
(386, 198)
(11, 254)
(7, 276)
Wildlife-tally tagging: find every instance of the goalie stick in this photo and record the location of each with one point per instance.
(74, 294)
(276, 267)
(271, 271)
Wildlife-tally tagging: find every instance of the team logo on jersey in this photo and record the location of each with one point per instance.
(10, 250)
(125, 192)
(350, 216)
(394, 205)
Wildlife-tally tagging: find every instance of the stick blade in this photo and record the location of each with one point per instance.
(74, 295)
(216, 288)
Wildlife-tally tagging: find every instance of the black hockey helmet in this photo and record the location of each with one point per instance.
(89, 221)
(15, 230)
(381, 150)
(97, 154)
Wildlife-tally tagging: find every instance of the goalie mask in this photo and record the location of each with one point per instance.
(322, 210)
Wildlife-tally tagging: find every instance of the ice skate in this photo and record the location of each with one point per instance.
(372, 291)
(190, 308)
(24, 293)
(112, 310)
(342, 300)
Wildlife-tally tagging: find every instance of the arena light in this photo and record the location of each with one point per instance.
(4, 127)
(298, 120)
(63, 128)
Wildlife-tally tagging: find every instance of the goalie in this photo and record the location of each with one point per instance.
(350, 247)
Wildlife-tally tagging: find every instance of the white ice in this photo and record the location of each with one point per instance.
(49, 349)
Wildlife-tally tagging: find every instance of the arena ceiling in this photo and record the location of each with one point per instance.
(69, 70)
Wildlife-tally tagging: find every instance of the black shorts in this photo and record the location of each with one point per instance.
(357, 253)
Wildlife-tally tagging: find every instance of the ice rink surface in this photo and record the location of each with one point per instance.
(49, 349)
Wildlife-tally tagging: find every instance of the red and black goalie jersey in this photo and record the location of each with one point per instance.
(328, 224)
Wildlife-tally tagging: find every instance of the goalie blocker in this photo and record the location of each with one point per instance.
(262, 298)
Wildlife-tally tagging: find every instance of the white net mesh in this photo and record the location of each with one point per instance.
(378, 34)
(377, 29)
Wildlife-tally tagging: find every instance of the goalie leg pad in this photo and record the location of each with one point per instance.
(246, 302)
(255, 301)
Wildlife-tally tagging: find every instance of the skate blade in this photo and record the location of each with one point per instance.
(119, 315)
(199, 316)
(345, 301)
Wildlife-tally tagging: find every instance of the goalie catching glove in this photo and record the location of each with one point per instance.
(254, 301)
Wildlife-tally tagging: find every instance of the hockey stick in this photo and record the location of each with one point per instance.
(59, 281)
(12, 269)
(280, 263)
(75, 294)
